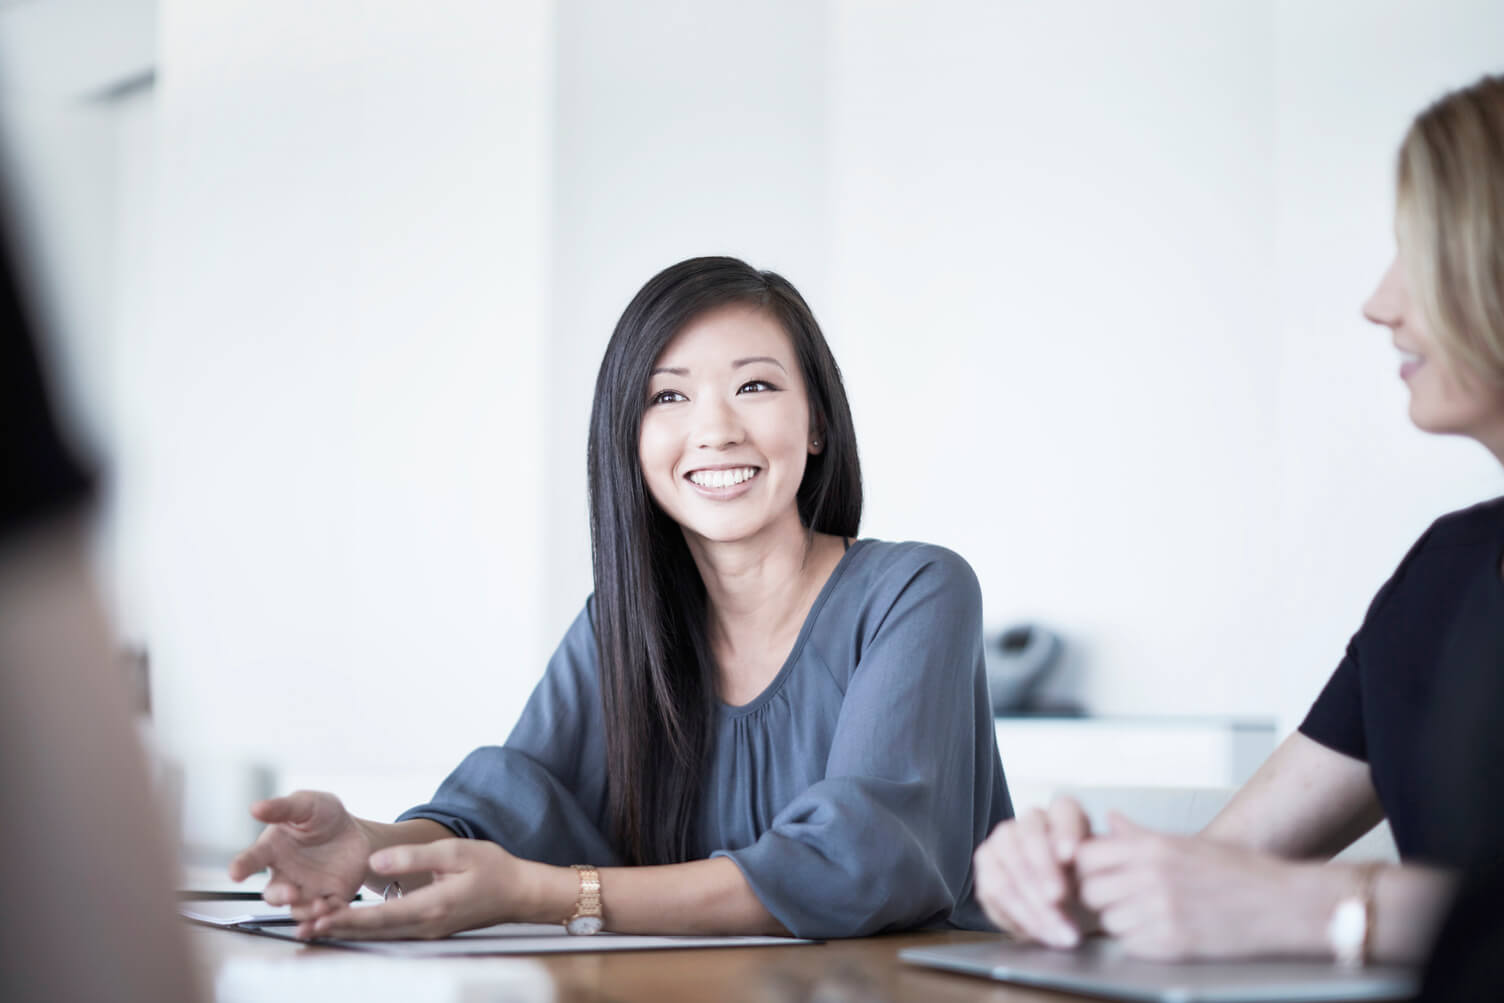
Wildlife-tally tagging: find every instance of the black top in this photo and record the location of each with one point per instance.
(1418, 643)
(1468, 745)
(38, 475)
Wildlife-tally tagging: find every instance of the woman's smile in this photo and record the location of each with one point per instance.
(724, 482)
(1410, 363)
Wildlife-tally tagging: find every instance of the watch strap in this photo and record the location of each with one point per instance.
(588, 903)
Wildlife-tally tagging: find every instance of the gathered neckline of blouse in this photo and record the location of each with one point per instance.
(771, 690)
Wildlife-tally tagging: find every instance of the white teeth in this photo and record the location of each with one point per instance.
(1411, 357)
(722, 478)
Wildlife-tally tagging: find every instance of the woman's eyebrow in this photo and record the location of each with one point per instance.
(757, 358)
(735, 364)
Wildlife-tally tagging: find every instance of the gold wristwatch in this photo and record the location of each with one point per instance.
(588, 915)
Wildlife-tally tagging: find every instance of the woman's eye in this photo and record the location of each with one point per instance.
(666, 397)
(756, 387)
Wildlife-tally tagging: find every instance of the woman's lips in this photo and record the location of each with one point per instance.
(1409, 364)
(723, 483)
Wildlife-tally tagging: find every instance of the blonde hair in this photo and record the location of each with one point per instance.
(1450, 221)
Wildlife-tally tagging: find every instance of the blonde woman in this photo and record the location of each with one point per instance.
(1253, 882)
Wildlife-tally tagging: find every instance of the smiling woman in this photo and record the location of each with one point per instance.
(1383, 740)
(721, 425)
(758, 723)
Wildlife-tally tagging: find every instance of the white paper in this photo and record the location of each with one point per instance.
(233, 912)
(533, 938)
(228, 912)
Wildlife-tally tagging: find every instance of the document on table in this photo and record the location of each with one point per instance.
(238, 913)
(530, 938)
(233, 912)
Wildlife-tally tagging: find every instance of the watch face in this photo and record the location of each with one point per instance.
(584, 925)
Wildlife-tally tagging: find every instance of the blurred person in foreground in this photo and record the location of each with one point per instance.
(1381, 739)
(85, 869)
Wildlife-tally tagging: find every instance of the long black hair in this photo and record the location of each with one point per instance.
(652, 637)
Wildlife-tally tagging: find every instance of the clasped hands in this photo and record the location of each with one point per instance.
(319, 855)
(1044, 877)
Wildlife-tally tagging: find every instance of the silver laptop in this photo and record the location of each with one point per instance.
(1099, 969)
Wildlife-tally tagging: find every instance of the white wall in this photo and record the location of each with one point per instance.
(682, 128)
(343, 469)
(1052, 255)
(74, 48)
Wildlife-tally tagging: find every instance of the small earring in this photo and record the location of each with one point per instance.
(814, 443)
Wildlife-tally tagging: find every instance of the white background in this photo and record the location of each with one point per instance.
(332, 291)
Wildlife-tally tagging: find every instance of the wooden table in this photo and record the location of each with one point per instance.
(839, 971)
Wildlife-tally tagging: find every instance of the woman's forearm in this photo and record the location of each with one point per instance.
(699, 897)
(1408, 904)
(1305, 801)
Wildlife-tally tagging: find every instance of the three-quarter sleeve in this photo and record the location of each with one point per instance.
(541, 796)
(884, 840)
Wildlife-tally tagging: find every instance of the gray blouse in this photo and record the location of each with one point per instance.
(851, 792)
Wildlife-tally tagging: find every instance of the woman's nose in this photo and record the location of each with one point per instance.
(716, 424)
(1386, 304)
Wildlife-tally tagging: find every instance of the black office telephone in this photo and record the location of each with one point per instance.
(1017, 661)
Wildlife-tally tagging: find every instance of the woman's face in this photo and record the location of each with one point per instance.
(726, 430)
(1444, 398)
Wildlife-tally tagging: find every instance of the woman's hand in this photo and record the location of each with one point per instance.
(1178, 898)
(316, 850)
(1026, 879)
(475, 883)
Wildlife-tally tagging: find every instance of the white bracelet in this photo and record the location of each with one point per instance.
(1350, 932)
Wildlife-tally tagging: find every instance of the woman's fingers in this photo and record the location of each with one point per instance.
(252, 860)
(311, 910)
(294, 809)
(1107, 889)
(1043, 881)
(282, 891)
(417, 915)
(1010, 909)
(1009, 882)
(997, 902)
(1124, 919)
(442, 856)
(1042, 873)
(1025, 873)
(1109, 853)
(1069, 827)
